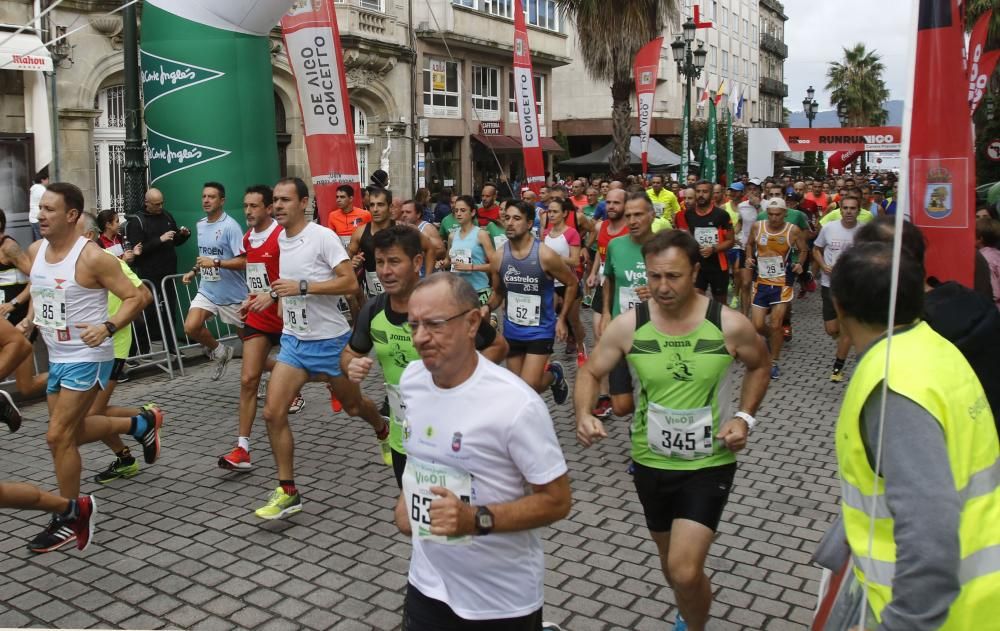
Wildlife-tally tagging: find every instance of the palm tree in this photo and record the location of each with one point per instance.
(610, 34)
(857, 83)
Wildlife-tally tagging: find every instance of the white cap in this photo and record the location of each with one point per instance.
(775, 202)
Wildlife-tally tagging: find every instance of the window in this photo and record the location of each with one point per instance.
(725, 63)
(441, 89)
(361, 139)
(542, 13)
(754, 39)
(736, 66)
(486, 92)
(746, 28)
(465, 3)
(109, 148)
(539, 100)
(753, 70)
(712, 56)
(372, 5)
(502, 8)
(724, 21)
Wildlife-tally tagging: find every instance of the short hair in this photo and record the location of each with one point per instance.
(526, 209)
(461, 291)
(704, 182)
(558, 187)
(851, 196)
(384, 192)
(862, 281)
(71, 194)
(90, 223)
(265, 191)
(987, 231)
(637, 196)
(346, 189)
(882, 229)
(41, 175)
(405, 236)
(489, 184)
(104, 218)
(217, 186)
(635, 189)
(666, 239)
(300, 186)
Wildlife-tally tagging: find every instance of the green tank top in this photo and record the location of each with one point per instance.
(684, 388)
(394, 350)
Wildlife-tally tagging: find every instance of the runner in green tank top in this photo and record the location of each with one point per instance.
(381, 325)
(681, 347)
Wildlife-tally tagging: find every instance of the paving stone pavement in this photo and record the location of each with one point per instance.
(178, 545)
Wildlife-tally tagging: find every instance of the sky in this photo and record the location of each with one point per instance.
(817, 31)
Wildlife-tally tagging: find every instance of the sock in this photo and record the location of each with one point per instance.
(219, 352)
(384, 433)
(838, 364)
(244, 442)
(139, 426)
(125, 456)
(288, 486)
(71, 513)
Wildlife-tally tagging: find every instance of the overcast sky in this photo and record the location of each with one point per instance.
(817, 31)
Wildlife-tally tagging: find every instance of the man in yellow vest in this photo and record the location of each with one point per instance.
(923, 531)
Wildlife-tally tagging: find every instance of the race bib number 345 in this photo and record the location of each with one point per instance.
(683, 434)
(418, 478)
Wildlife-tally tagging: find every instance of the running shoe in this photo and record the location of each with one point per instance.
(494, 321)
(551, 626)
(262, 389)
(150, 439)
(811, 285)
(85, 522)
(57, 534)
(279, 505)
(560, 389)
(297, 404)
(775, 371)
(603, 408)
(334, 401)
(383, 443)
(236, 460)
(117, 469)
(837, 376)
(581, 359)
(679, 623)
(786, 330)
(221, 360)
(9, 413)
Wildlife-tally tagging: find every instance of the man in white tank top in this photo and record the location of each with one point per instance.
(70, 280)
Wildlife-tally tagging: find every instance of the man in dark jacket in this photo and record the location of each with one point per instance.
(153, 236)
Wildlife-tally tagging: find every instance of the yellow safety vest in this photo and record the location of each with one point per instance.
(927, 369)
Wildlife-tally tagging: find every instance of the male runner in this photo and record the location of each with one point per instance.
(411, 215)
(833, 240)
(664, 201)
(314, 271)
(681, 346)
(222, 288)
(769, 253)
(713, 230)
(748, 211)
(381, 325)
(625, 287)
(489, 209)
(526, 268)
(70, 280)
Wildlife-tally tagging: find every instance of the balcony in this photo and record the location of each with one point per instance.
(773, 86)
(774, 6)
(774, 45)
(767, 123)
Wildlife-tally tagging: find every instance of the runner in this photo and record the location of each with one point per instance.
(411, 215)
(664, 201)
(382, 326)
(70, 281)
(684, 436)
(470, 249)
(504, 475)
(222, 288)
(489, 210)
(625, 287)
(713, 230)
(833, 240)
(770, 250)
(799, 219)
(565, 242)
(345, 218)
(314, 272)
(748, 211)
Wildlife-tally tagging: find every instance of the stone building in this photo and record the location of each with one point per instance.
(773, 52)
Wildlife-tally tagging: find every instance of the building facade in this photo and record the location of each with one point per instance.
(773, 52)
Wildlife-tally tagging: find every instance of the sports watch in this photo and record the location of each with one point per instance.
(748, 419)
(217, 262)
(274, 295)
(303, 287)
(484, 520)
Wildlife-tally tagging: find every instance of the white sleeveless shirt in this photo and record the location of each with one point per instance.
(60, 304)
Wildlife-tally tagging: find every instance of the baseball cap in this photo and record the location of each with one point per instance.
(775, 202)
(736, 186)
(755, 181)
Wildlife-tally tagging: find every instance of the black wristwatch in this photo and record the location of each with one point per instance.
(484, 520)
(217, 262)
(303, 287)
(274, 295)
(110, 327)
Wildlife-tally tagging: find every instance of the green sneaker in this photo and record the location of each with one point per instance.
(117, 469)
(279, 505)
(383, 445)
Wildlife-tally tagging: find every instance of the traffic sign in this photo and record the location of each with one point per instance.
(993, 150)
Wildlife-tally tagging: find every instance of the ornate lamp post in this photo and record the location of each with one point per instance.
(690, 64)
(810, 106)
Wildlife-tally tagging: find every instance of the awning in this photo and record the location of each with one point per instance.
(23, 51)
(512, 143)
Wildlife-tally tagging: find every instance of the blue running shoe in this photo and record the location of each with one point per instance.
(775, 371)
(679, 624)
(560, 389)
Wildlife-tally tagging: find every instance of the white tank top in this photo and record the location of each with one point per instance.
(60, 304)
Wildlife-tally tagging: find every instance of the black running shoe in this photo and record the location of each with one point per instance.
(559, 387)
(118, 469)
(151, 438)
(57, 534)
(9, 413)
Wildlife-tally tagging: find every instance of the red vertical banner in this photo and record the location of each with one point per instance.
(647, 66)
(312, 42)
(941, 161)
(980, 64)
(527, 108)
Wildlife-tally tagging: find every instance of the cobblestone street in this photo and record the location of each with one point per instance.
(178, 545)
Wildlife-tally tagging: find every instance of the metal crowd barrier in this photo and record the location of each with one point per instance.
(177, 312)
(158, 358)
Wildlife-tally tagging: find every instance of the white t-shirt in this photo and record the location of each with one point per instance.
(748, 217)
(311, 255)
(504, 448)
(835, 239)
(34, 199)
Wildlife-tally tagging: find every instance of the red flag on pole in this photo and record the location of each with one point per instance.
(647, 66)
(980, 64)
(527, 110)
(312, 42)
(941, 161)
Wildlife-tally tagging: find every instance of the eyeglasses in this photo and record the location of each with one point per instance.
(431, 326)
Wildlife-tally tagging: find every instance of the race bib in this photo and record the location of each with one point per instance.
(374, 284)
(706, 236)
(771, 267)
(499, 240)
(117, 249)
(461, 256)
(658, 208)
(418, 478)
(50, 307)
(396, 404)
(257, 280)
(210, 274)
(294, 310)
(683, 434)
(627, 299)
(346, 241)
(524, 309)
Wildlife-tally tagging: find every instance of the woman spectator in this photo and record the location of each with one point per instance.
(988, 242)
(110, 240)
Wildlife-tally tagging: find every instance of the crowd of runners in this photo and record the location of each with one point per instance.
(682, 281)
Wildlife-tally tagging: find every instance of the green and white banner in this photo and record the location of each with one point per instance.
(208, 100)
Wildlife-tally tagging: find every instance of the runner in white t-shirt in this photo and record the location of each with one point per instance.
(315, 272)
(477, 555)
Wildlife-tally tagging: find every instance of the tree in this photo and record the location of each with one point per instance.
(609, 35)
(857, 83)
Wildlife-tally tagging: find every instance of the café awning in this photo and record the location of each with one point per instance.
(23, 51)
(512, 143)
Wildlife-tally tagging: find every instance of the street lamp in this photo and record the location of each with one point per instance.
(810, 106)
(690, 64)
(843, 114)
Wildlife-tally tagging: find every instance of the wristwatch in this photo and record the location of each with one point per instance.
(274, 295)
(303, 287)
(110, 327)
(484, 520)
(217, 262)
(748, 419)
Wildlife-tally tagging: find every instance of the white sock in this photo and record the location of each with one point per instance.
(244, 442)
(219, 352)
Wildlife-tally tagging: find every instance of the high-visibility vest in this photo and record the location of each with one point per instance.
(925, 368)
